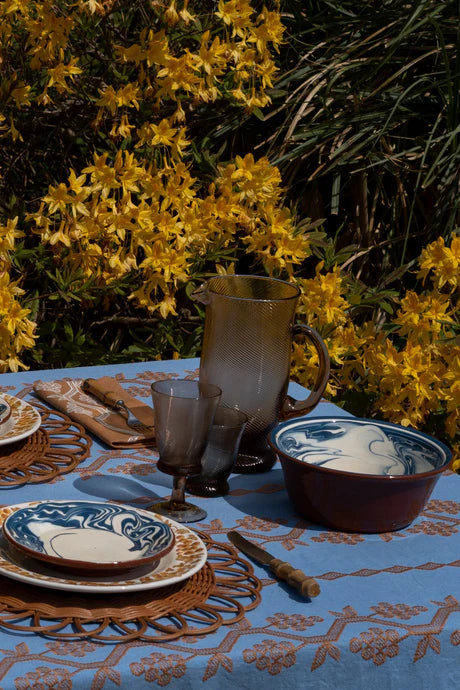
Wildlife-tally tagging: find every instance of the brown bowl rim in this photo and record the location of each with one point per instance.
(360, 475)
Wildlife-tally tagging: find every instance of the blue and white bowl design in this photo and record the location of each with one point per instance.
(88, 534)
(360, 446)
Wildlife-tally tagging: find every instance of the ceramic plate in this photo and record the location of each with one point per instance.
(88, 536)
(6, 419)
(363, 446)
(25, 420)
(188, 555)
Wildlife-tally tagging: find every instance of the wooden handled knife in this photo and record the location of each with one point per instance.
(306, 585)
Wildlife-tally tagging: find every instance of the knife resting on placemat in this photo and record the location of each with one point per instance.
(306, 585)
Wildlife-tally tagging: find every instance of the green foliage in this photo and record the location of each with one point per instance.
(364, 127)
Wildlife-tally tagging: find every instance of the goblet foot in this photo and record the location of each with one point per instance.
(184, 512)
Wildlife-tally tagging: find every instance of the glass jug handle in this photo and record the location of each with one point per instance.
(296, 408)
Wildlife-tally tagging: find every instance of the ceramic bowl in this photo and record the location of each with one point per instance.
(361, 475)
(87, 536)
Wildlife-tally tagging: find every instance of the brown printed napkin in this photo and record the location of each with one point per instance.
(67, 395)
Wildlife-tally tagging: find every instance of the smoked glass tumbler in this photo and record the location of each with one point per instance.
(220, 454)
(184, 412)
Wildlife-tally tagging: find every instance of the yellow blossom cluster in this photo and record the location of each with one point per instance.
(231, 59)
(410, 367)
(324, 306)
(16, 329)
(39, 32)
(130, 216)
(442, 264)
(136, 212)
(227, 53)
(250, 192)
(419, 377)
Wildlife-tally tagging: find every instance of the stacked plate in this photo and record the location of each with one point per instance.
(90, 546)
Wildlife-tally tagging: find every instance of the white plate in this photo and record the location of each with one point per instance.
(186, 558)
(25, 420)
(85, 536)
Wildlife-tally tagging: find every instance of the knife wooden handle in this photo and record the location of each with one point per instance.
(104, 395)
(306, 585)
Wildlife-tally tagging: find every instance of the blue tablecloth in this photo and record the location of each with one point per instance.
(388, 615)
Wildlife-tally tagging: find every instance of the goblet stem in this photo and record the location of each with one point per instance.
(177, 500)
(176, 507)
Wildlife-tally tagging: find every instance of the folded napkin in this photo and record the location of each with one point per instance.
(67, 395)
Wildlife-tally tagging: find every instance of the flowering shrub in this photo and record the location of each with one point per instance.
(409, 368)
(16, 330)
(134, 220)
(112, 207)
(136, 217)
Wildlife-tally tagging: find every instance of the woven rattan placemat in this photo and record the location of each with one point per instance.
(57, 447)
(218, 594)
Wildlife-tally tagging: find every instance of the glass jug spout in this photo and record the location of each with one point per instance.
(201, 294)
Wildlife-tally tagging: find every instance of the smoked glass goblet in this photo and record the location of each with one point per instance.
(184, 412)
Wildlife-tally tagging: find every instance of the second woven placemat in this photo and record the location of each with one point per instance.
(57, 447)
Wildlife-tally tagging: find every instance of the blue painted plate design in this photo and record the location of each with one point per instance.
(87, 534)
(361, 446)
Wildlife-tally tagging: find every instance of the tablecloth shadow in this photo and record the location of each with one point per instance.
(260, 499)
(277, 508)
(263, 481)
(119, 488)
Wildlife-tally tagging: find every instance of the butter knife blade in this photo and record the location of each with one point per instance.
(307, 586)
